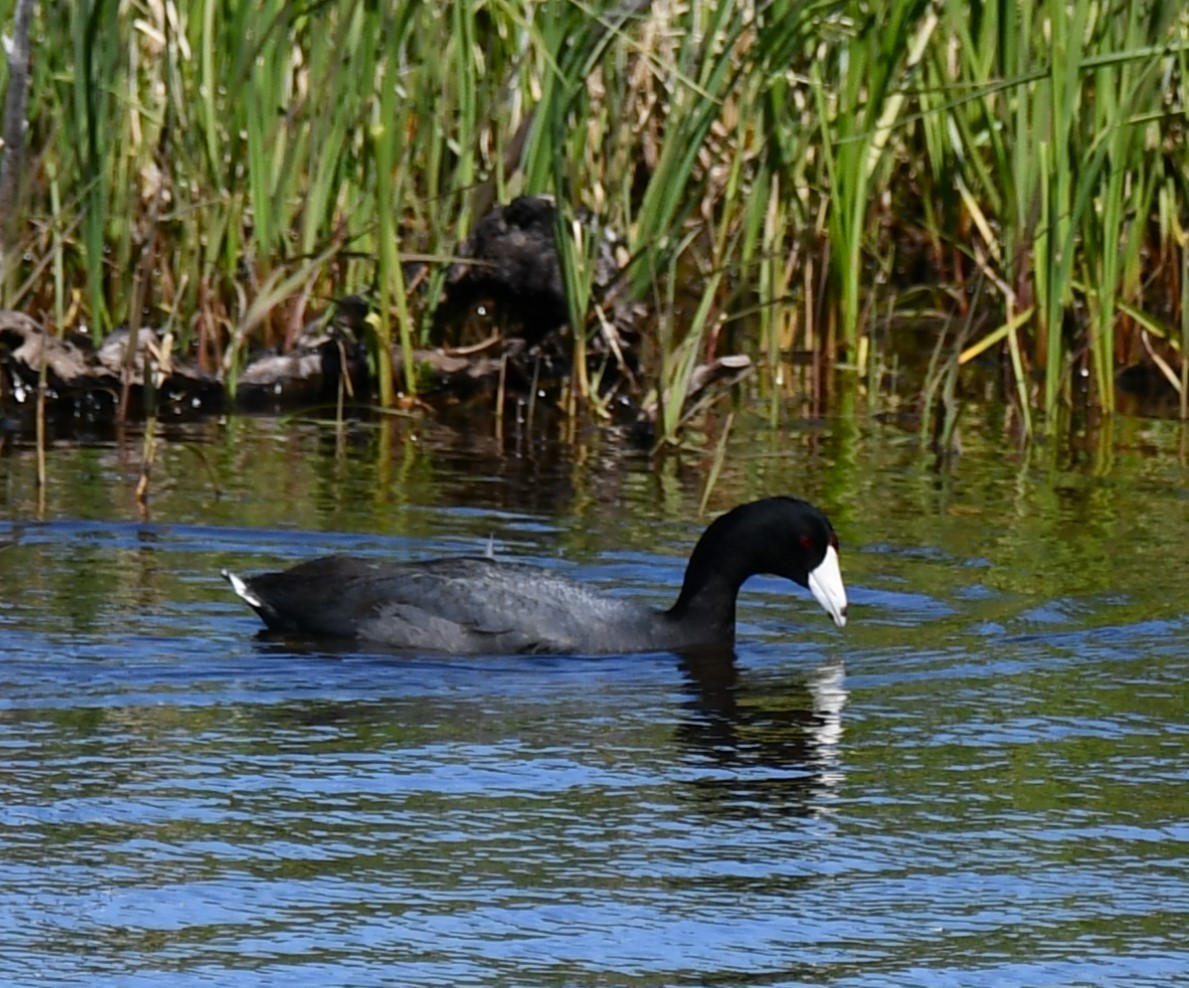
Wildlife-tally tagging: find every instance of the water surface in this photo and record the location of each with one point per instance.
(980, 781)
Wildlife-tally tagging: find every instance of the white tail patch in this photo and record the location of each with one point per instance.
(241, 588)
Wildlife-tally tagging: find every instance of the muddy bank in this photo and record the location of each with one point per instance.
(500, 330)
(500, 341)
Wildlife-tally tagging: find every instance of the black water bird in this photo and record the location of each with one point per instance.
(478, 605)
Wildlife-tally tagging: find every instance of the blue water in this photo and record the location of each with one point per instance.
(982, 780)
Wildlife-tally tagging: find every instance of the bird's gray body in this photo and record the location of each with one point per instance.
(463, 605)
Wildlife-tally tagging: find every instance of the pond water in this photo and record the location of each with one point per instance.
(982, 780)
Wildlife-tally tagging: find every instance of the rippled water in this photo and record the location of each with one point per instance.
(983, 780)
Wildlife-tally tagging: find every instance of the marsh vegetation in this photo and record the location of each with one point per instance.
(818, 185)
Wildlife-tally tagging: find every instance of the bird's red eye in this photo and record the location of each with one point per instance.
(806, 542)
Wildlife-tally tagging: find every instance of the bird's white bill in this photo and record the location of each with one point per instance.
(825, 582)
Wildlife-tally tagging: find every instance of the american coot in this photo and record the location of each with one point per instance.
(478, 605)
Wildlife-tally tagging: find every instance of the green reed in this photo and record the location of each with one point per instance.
(779, 160)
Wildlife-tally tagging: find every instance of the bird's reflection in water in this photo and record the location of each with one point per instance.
(759, 743)
(752, 741)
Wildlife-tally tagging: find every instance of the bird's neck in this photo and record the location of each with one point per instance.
(709, 590)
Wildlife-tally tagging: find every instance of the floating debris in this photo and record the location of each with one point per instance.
(86, 382)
